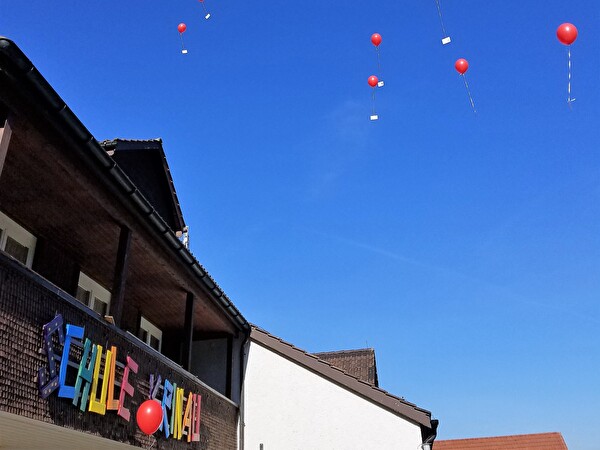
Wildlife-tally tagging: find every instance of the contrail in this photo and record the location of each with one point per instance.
(452, 273)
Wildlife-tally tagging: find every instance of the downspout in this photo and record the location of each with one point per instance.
(242, 425)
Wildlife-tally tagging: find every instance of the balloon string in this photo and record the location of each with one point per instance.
(569, 99)
(373, 100)
(469, 93)
(181, 36)
(378, 63)
(439, 8)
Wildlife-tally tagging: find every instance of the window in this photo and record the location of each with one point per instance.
(92, 294)
(150, 334)
(16, 240)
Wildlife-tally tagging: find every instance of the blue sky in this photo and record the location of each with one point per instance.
(464, 248)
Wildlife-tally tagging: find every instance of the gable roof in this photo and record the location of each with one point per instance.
(540, 441)
(145, 163)
(396, 405)
(359, 363)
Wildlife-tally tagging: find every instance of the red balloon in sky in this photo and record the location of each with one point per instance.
(181, 27)
(461, 65)
(149, 416)
(373, 81)
(566, 33)
(376, 39)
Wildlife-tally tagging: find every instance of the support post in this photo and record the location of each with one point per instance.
(118, 291)
(5, 134)
(188, 326)
(229, 366)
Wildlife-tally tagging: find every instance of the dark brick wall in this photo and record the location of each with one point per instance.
(27, 302)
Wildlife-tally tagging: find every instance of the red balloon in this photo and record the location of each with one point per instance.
(181, 27)
(376, 39)
(566, 33)
(461, 65)
(373, 81)
(149, 416)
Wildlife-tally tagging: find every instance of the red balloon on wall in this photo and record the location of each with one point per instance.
(181, 27)
(376, 39)
(566, 33)
(373, 81)
(461, 65)
(149, 416)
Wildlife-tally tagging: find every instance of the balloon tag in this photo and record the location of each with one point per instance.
(374, 117)
(207, 16)
(380, 84)
(184, 51)
(446, 40)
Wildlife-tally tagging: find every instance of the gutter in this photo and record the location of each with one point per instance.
(28, 82)
(244, 350)
(429, 435)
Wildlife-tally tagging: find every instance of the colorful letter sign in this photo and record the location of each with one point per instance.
(181, 415)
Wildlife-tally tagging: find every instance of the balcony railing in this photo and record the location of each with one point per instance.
(31, 379)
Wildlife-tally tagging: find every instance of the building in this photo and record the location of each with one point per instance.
(103, 306)
(359, 363)
(540, 441)
(296, 400)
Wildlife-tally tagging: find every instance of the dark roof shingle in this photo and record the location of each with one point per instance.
(359, 363)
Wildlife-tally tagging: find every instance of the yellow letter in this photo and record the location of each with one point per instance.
(99, 406)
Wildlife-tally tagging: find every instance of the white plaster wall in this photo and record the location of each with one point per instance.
(288, 407)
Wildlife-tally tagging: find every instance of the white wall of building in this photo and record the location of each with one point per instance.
(288, 407)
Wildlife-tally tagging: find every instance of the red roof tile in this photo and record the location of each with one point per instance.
(540, 441)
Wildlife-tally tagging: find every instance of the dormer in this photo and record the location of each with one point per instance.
(145, 163)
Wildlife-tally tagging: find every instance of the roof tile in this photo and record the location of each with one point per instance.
(358, 363)
(540, 441)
